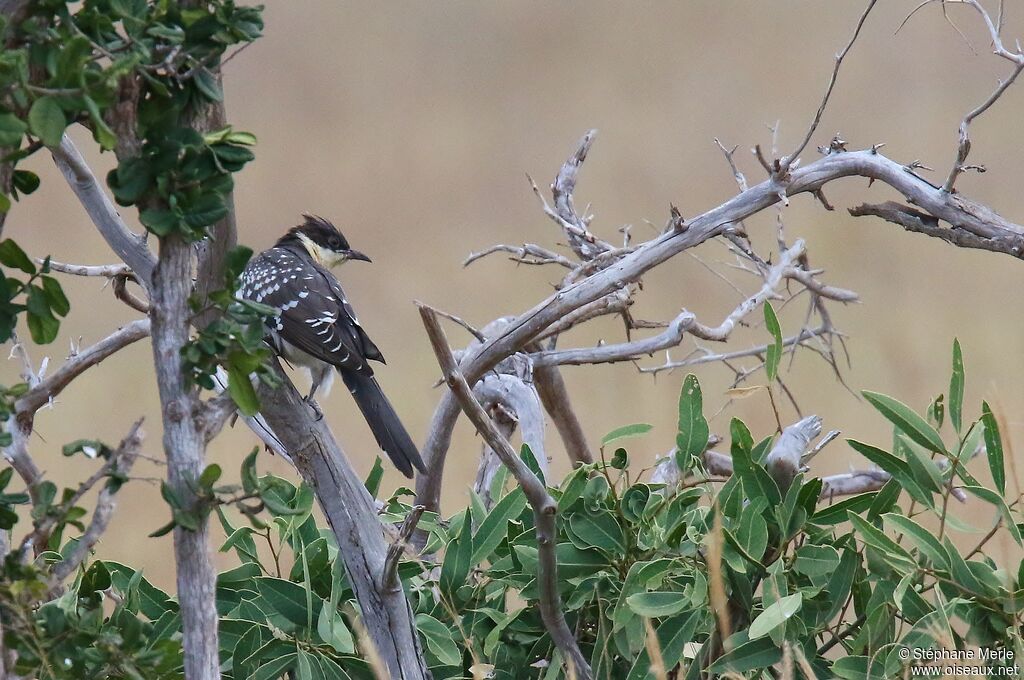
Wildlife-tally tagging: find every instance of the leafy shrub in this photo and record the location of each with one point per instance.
(656, 581)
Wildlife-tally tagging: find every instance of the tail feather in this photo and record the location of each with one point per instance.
(387, 429)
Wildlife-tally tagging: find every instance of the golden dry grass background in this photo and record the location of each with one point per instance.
(412, 126)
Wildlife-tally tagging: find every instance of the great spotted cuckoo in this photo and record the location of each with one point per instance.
(316, 328)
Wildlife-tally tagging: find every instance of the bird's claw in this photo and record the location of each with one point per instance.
(316, 407)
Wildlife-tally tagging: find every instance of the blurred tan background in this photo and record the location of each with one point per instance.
(412, 125)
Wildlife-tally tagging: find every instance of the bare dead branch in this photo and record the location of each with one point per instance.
(852, 483)
(119, 274)
(472, 330)
(396, 549)
(128, 245)
(17, 454)
(1016, 58)
(627, 351)
(922, 223)
(528, 253)
(520, 401)
(822, 443)
(952, 208)
(686, 322)
(543, 504)
(122, 293)
(106, 270)
(806, 278)
(352, 516)
(576, 227)
(48, 389)
(215, 415)
(555, 396)
(615, 302)
(741, 180)
(489, 465)
(184, 446)
(786, 163)
(784, 461)
(120, 462)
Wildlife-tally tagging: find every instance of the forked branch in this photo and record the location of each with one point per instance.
(544, 506)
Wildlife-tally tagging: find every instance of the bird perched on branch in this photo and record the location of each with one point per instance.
(316, 327)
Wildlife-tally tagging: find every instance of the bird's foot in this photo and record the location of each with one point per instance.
(311, 402)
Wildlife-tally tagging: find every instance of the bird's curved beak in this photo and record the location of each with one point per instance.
(356, 255)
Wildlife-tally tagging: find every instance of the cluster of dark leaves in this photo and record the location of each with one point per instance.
(40, 296)
(233, 340)
(70, 63)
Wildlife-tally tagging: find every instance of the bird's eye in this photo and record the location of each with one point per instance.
(334, 242)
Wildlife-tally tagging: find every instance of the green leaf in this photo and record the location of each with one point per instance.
(241, 390)
(657, 604)
(206, 210)
(936, 411)
(159, 222)
(995, 499)
(573, 562)
(240, 137)
(922, 539)
(332, 629)
(12, 129)
(776, 615)
(752, 533)
(755, 654)
(899, 469)
(373, 479)
(620, 459)
(285, 598)
(55, 296)
(100, 130)
(693, 433)
(236, 259)
(851, 667)
(207, 84)
(673, 636)
(273, 669)
(909, 422)
(526, 453)
(209, 476)
(46, 118)
(626, 431)
(836, 513)
(756, 481)
(816, 560)
(993, 447)
(250, 482)
(11, 255)
(598, 530)
(956, 387)
(91, 448)
(439, 640)
(923, 469)
(641, 576)
(841, 582)
(893, 552)
(572, 488)
(456, 565)
(493, 529)
(773, 353)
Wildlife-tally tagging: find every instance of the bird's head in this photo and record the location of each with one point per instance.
(322, 240)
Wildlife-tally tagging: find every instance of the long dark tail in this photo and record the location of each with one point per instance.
(384, 423)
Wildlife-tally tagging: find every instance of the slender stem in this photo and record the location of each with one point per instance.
(544, 506)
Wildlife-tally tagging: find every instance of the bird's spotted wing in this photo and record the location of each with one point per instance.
(312, 316)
